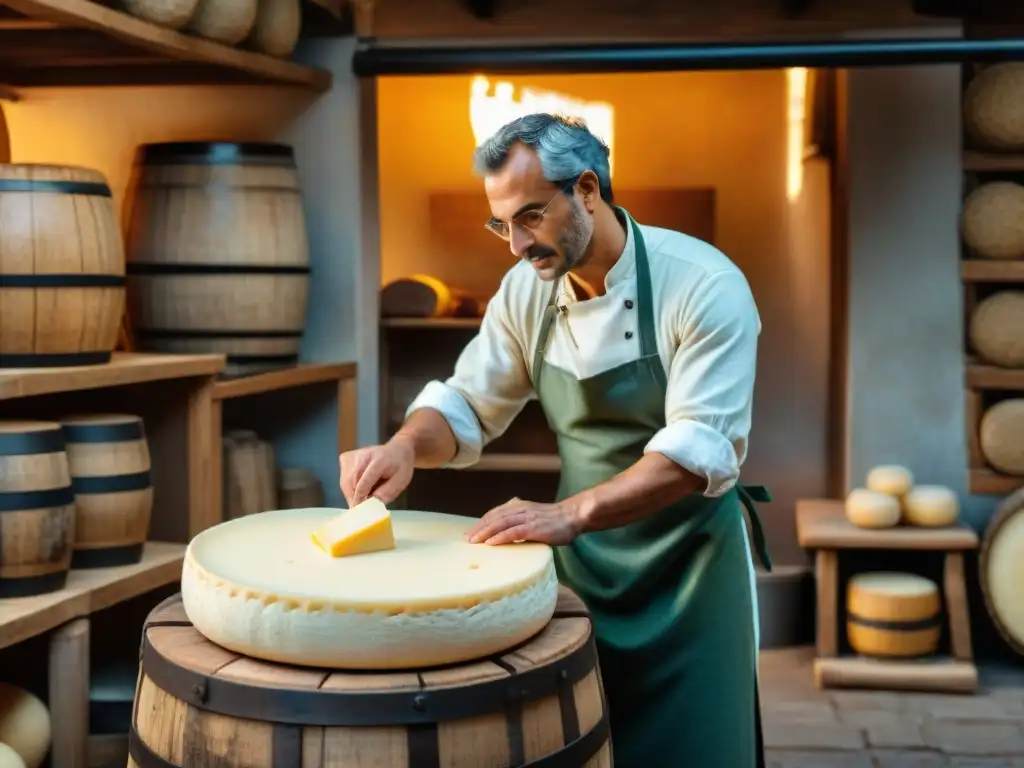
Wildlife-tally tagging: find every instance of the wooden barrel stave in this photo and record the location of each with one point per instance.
(541, 701)
(37, 509)
(1001, 566)
(62, 267)
(219, 254)
(108, 457)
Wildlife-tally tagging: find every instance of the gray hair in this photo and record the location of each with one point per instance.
(565, 146)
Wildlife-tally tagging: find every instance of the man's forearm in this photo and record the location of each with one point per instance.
(648, 486)
(430, 436)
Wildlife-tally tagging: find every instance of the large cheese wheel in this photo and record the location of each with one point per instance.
(9, 758)
(871, 509)
(995, 329)
(993, 220)
(893, 479)
(931, 506)
(994, 106)
(1001, 435)
(1002, 569)
(897, 615)
(258, 585)
(24, 724)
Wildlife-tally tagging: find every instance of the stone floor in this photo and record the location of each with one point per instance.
(808, 728)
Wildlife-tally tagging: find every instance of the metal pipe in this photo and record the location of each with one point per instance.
(372, 60)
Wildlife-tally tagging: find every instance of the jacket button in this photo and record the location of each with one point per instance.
(629, 334)
(629, 303)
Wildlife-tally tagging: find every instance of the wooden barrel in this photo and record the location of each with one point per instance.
(108, 457)
(298, 488)
(250, 473)
(37, 509)
(1002, 569)
(893, 615)
(62, 280)
(218, 256)
(540, 704)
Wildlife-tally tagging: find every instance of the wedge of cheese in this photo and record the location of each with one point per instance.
(364, 528)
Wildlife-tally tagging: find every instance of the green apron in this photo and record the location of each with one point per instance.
(670, 595)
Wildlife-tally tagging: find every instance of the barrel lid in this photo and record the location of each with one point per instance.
(212, 152)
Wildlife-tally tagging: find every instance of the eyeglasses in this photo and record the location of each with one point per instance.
(529, 219)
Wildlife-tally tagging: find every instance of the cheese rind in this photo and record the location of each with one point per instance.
(931, 506)
(255, 585)
(872, 509)
(363, 529)
(894, 479)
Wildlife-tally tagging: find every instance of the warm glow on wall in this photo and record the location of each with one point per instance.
(488, 113)
(796, 109)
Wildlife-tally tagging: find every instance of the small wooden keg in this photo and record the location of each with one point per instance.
(37, 509)
(893, 615)
(299, 488)
(1002, 569)
(541, 702)
(250, 472)
(218, 256)
(108, 457)
(62, 279)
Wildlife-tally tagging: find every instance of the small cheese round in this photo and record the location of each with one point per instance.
(995, 329)
(892, 479)
(258, 585)
(993, 106)
(24, 724)
(930, 506)
(9, 758)
(872, 509)
(993, 220)
(892, 614)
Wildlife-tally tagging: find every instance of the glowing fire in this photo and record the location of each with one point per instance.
(488, 113)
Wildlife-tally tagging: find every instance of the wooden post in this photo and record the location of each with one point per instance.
(204, 451)
(69, 694)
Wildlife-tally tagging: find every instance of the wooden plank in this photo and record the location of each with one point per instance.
(430, 322)
(981, 376)
(174, 45)
(992, 162)
(940, 675)
(125, 368)
(300, 376)
(991, 271)
(988, 482)
(821, 524)
(69, 694)
(88, 591)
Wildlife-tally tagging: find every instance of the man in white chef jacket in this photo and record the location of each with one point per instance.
(648, 386)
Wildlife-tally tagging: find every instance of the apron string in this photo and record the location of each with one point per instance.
(748, 495)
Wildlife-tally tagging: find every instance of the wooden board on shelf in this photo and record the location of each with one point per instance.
(123, 369)
(988, 482)
(88, 591)
(992, 271)
(80, 42)
(423, 323)
(822, 524)
(938, 675)
(299, 376)
(993, 162)
(981, 376)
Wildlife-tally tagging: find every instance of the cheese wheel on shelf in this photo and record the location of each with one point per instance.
(24, 724)
(9, 758)
(871, 509)
(258, 585)
(1001, 435)
(995, 329)
(1002, 569)
(893, 479)
(895, 615)
(993, 220)
(931, 506)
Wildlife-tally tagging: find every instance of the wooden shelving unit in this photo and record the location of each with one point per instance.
(985, 384)
(81, 42)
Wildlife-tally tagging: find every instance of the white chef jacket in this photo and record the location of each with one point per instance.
(707, 325)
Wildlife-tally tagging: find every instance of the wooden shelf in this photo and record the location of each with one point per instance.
(88, 591)
(981, 376)
(993, 162)
(822, 524)
(430, 322)
(300, 376)
(125, 368)
(991, 271)
(81, 42)
(988, 482)
(517, 462)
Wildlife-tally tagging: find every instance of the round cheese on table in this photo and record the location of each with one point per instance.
(930, 506)
(871, 509)
(260, 586)
(893, 479)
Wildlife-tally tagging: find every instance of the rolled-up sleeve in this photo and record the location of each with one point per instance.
(711, 382)
(489, 387)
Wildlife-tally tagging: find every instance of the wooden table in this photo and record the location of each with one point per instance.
(822, 526)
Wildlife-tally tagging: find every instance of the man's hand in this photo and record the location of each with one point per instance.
(383, 471)
(519, 520)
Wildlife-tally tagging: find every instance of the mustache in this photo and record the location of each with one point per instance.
(537, 252)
